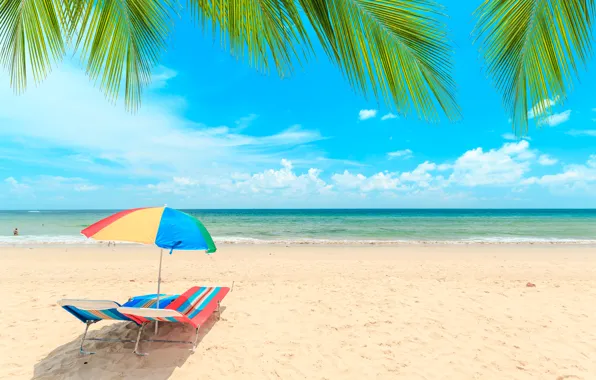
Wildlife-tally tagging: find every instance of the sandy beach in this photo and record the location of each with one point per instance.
(411, 312)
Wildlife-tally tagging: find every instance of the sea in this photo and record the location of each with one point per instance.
(333, 227)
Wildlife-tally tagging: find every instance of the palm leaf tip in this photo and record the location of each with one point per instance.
(397, 49)
(267, 33)
(121, 42)
(532, 50)
(31, 38)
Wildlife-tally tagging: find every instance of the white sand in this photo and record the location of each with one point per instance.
(313, 313)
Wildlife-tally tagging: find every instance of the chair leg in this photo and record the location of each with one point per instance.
(194, 344)
(136, 350)
(81, 350)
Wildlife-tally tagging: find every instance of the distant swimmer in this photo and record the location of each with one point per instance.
(15, 232)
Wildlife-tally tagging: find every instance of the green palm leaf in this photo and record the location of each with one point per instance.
(121, 40)
(397, 48)
(30, 36)
(261, 31)
(532, 49)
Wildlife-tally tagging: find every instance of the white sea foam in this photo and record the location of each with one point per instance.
(44, 239)
(236, 240)
(488, 240)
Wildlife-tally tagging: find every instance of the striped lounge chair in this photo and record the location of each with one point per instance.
(193, 307)
(93, 311)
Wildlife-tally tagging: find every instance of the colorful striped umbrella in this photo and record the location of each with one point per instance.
(163, 226)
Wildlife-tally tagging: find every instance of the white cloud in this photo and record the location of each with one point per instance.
(547, 160)
(84, 187)
(387, 183)
(15, 185)
(177, 185)
(377, 182)
(420, 176)
(157, 142)
(47, 183)
(552, 120)
(503, 166)
(406, 153)
(520, 150)
(161, 76)
(185, 181)
(389, 116)
(348, 180)
(367, 114)
(169, 157)
(284, 180)
(507, 165)
(585, 132)
(573, 177)
(381, 181)
(545, 104)
(245, 121)
(556, 119)
(513, 137)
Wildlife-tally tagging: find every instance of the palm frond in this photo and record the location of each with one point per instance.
(260, 31)
(121, 41)
(31, 37)
(532, 50)
(397, 48)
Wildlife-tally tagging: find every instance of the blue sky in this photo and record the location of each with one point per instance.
(213, 133)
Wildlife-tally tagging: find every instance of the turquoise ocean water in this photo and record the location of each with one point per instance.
(378, 226)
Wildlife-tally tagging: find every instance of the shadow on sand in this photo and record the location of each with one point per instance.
(115, 360)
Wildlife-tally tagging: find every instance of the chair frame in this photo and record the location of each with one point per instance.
(139, 316)
(142, 326)
(193, 342)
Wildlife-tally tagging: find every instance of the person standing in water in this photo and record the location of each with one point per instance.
(15, 232)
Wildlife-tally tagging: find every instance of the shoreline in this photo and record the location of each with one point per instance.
(324, 243)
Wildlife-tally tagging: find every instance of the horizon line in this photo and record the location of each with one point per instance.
(309, 208)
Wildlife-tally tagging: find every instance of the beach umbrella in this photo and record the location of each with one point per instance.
(164, 227)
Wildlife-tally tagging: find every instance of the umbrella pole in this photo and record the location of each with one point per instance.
(158, 285)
